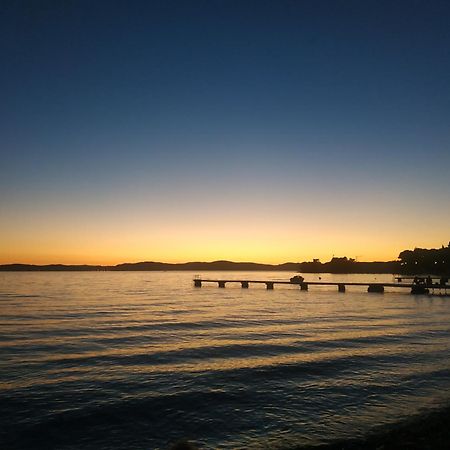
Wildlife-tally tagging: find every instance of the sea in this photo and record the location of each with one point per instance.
(140, 360)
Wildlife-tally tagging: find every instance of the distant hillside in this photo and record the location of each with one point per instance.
(336, 265)
(417, 261)
(215, 265)
(155, 266)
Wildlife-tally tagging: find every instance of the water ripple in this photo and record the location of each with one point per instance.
(135, 360)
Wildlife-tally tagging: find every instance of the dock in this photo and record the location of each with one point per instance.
(341, 286)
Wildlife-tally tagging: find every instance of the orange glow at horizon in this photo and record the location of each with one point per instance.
(242, 227)
(272, 245)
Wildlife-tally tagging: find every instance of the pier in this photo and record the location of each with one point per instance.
(341, 286)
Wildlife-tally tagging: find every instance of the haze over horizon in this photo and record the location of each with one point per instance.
(261, 131)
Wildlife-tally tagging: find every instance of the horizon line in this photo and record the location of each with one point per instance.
(192, 262)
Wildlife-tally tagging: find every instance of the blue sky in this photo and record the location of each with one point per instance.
(145, 106)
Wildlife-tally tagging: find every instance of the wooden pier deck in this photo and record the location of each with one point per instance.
(341, 286)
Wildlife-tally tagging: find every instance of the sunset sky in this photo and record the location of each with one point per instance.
(265, 131)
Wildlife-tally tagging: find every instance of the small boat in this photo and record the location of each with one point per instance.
(298, 279)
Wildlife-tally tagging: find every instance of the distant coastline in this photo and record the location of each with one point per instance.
(305, 267)
(417, 261)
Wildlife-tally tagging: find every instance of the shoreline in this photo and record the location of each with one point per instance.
(429, 430)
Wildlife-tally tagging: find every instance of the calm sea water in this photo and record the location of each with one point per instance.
(140, 359)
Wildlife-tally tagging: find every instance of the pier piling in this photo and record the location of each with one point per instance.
(375, 288)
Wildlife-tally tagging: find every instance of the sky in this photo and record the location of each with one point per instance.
(266, 131)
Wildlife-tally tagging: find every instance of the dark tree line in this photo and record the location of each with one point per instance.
(413, 262)
(349, 265)
(434, 261)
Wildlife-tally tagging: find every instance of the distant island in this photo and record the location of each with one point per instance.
(417, 261)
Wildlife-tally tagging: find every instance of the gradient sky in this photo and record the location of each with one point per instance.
(269, 131)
